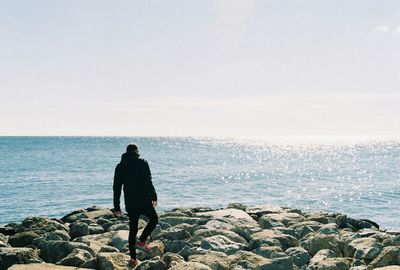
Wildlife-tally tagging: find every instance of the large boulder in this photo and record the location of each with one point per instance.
(251, 257)
(272, 238)
(282, 263)
(189, 266)
(214, 259)
(54, 251)
(41, 225)
(76, 258)
(154, 264)
(300, 256)
(111, 261)
(203, 233)
(363, 248)
(221, 243)
(120, 239)
(22, 239)
(315, 242)
(389, 256)
(10, 256)
(286, 219)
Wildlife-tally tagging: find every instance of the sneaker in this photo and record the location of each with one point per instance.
(143, 246)
(133, 263)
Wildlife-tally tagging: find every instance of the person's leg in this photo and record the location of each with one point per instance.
(133, 228)
(151, 213)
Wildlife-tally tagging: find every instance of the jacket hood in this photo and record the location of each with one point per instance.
(126, 157)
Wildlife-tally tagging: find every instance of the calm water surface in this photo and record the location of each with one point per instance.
(55, 175)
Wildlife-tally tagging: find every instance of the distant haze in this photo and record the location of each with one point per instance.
(226, 68)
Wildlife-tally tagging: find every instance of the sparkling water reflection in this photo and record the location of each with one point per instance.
(54, 175)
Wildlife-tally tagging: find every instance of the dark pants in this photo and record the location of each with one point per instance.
(134, 215)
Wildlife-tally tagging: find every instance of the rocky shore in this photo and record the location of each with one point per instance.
(236, 237)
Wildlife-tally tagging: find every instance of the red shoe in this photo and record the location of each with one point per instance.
(133, 263)
(143, 246)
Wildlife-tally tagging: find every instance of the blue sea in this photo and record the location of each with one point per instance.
(55, 175)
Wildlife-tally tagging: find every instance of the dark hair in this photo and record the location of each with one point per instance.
(132, 148)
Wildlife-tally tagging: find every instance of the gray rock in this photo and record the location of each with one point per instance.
(43, 266)
(169, 257)
(203, 233)
(300, 256)
(118, 227)
(108, 249)
(175, 246)
(189, 266)
(267, 251)
(283, 263)
(120, 239)
(272, 238)
(214, 259)
(174, 233)
(10, 256)
(389, 256)
(243, 255)
(22, 239)
(111, 261)
(76, 258)
(363, 248)
(41, 225)
(152, 265)
(79, 229)
(221, 243)
(317, 241)
(54, 251)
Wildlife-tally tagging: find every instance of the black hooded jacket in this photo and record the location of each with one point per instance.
(134, 174)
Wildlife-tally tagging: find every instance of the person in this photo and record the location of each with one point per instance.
(133, 173)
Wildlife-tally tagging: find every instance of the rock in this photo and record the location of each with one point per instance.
(111, 261)
(237, 205)
(22, 239)
(173, 233)
(221, 243)
(267, 223)
(41, 225)
(242, 265)
(264, 209)
(103, 213)
(97, 241)
(316, 242)
(169, 257)
(272, 238)
(8, 230)
(152, 265)
(203, 233)
(95, 229)
(120, 239)
(108, 249)
(79, 229)
(175, 220)
(389, 256)
(190, 266)
(42, 266)
(76, 258)
(214, 259)
(330, 228)
(118, 227)
(176, 245)
(393, 267)
(157, 249)
(266, 252)
(300, 256)
(321, 217)
(243, 255)
(283, 263)
(284, 218)
(105, 223)
(10, 256)
(338, 263)
(363, 248)
(54, 251)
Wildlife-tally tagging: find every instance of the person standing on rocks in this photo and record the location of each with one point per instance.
(133, 173)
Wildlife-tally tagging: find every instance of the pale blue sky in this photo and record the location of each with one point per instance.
(210, 68)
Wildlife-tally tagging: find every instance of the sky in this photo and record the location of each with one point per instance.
(224, 68)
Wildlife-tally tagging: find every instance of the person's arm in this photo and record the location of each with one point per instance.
(117, 186)
(148, 182)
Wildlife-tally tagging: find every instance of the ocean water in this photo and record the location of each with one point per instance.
(55, 175)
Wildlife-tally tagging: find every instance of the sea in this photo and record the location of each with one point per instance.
(53, 176)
